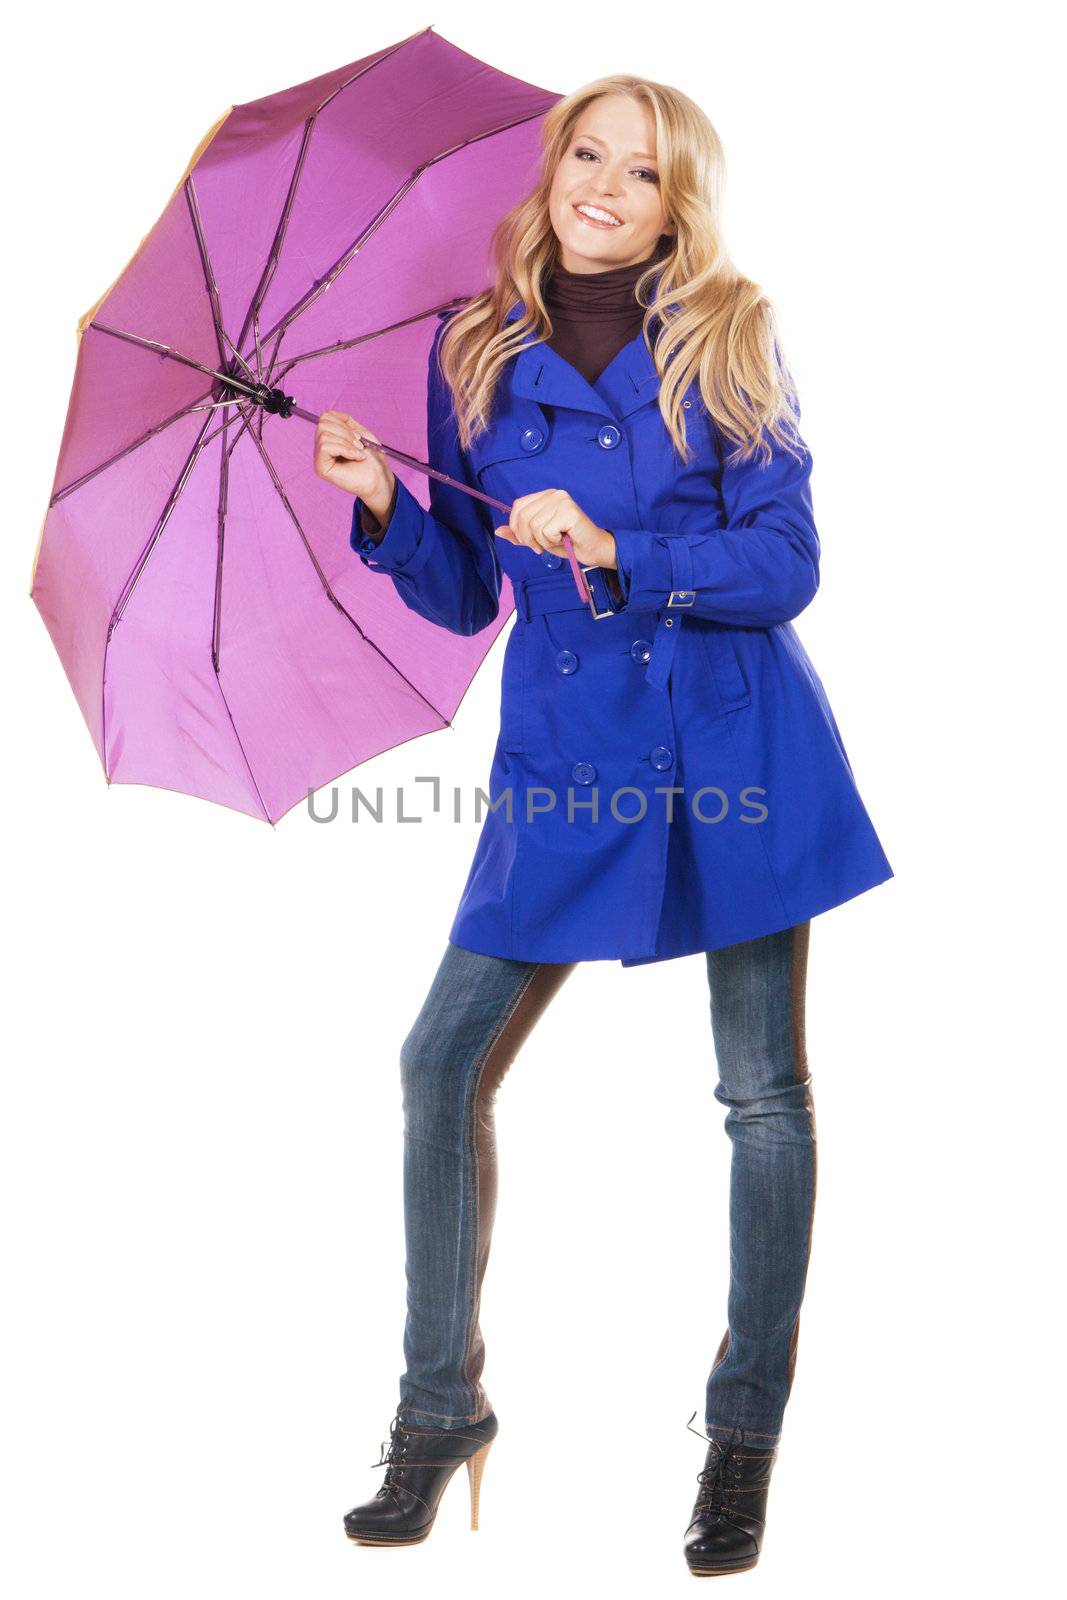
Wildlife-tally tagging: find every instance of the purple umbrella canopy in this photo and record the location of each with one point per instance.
(193, 571)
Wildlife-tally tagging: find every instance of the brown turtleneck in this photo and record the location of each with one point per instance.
(595, 313)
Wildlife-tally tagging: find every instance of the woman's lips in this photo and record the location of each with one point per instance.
(593, 222)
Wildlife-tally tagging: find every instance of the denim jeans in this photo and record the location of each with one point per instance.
(478, 1013)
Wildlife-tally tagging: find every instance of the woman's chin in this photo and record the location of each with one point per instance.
(582, 248)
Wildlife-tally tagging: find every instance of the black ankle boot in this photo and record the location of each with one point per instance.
(726, 1531)
(420, 1463)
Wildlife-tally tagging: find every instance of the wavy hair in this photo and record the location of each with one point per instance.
(709, 322)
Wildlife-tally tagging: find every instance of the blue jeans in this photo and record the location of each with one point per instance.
(478, 1012)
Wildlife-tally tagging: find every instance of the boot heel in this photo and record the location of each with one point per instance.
(475, 1468)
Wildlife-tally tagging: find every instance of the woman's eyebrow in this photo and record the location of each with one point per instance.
(641, 154)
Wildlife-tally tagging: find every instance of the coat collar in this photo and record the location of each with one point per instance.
(540, 373)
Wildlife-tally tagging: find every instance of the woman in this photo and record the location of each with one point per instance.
(685, 679)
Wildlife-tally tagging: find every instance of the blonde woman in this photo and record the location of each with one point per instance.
(668, 779)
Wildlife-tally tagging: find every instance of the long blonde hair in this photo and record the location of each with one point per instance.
(713, 323)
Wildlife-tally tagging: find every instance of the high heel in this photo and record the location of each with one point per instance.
(419, 1465)
(475, 1468)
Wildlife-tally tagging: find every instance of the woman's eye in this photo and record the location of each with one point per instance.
(644, 171)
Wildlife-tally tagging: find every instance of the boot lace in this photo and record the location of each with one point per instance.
(393, 1460)
(719, 1480)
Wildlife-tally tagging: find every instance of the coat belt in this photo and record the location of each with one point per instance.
(536, 596)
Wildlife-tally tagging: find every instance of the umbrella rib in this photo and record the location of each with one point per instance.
(126, 450)
(320, 287)
(223, 507)
(225, 424)
(167, 350)
(210, 282)
(274, 255)
(322, 284)
(216, 627)
(164, 517)
(252, 371)
(268, 463)
(274, 356)
(134, 577)
(362, 338)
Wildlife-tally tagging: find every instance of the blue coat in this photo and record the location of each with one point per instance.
(697, 683)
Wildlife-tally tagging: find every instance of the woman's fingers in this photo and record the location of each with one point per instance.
(343, 436)
(536, 520)
(338, 424)
(338, 434)
(523, 536)
(341, 444)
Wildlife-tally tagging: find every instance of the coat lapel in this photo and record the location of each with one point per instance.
(540, 373)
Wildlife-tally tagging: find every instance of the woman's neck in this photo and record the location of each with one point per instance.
(595, 313)
(608, 294)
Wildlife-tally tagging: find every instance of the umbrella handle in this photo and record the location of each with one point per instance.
(502, 505)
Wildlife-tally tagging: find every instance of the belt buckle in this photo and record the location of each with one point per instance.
(685, 597)
(597, 615)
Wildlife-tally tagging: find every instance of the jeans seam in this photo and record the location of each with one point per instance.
(475, 1188)
(802, 1074)
(442, 1416)
(750, 1433)
(799, 934)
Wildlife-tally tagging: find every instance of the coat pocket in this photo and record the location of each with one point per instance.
(724, 661)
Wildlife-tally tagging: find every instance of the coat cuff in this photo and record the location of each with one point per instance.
(402, 548)
(644, 568)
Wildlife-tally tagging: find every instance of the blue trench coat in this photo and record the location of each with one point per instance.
(696, 683)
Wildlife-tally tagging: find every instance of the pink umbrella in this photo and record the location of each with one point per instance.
(193, 571)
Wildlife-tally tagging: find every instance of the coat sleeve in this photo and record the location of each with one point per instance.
(759, 569)
(443, 562)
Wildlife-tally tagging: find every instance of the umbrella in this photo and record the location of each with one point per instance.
(193, 572)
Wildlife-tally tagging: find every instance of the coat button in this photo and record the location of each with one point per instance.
(531, 438)
(583, 772)
(661, 758)
(641, 650)
(608, 437)
(567, 661)
(550, 561)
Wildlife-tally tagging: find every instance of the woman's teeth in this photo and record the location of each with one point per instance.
(600, 219)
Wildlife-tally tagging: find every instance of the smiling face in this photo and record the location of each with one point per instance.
(605, 200)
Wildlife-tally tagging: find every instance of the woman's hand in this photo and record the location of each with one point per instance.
(340, 460)
(540, 520)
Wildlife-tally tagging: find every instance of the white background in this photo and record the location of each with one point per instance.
(201, 1127)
